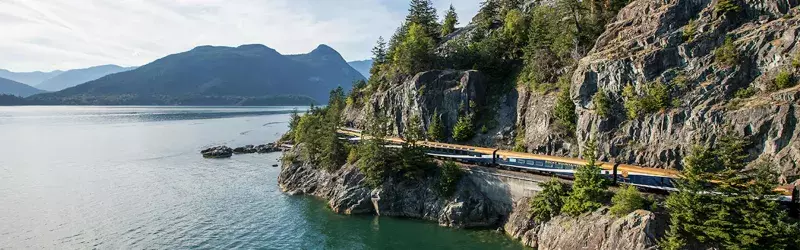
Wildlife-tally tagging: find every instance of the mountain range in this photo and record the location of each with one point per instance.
(362, 66)
(29, 78)
(212, 75)
(12, 87)
(74, 77)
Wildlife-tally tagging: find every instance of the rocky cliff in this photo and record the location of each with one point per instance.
(649, 42)
(346, 193)
(469, 207)
(597, 230)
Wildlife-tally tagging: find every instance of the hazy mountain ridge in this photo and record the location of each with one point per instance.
(362, 66)
(12, 87)
(248, 71)
(74, 77)
(29, 78)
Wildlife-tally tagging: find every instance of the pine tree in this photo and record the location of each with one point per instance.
(415, 53)
(423, 13)
(736, 211)
(564, 110)
(450, 21)
(378, 56)
(436, 128)
(589, 188)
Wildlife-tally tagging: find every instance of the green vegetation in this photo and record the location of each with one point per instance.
(656, 97)
(783, 80)
(589, 188)
(564, 111)
(602, 104)
(377, 162)
(689, 30)
(450, 21)
(736, 212)
(436, 128)
(744, 93)
(463, 130)
(317, 131)
(725, 6)
(449, 177)
(796, 60)
(415, 53)
(726, 55)
(627, 200)
(548, 203)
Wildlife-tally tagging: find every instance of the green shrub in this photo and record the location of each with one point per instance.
(656, 98)
(352, 157)
(449, 177)
(627, 200)
(689, 30)
(602, 103)
(548, 203)
(484, 129)
(744, 93)
(783, 80)
(463, 131)
(796, 60)
(725, 6)
(726, 55)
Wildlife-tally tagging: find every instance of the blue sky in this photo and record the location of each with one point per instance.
(65, 34)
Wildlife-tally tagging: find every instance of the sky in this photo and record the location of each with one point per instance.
(45, 35)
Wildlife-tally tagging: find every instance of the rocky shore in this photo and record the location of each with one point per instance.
(227, 152)
(479, 202)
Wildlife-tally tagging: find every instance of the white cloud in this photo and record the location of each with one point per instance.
(65, 34)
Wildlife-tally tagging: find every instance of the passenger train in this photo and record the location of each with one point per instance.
(652, 179)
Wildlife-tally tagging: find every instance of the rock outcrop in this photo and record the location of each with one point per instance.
(597, 230)
(469, 207)
(217, 152)
(647, 43)
(346, 193)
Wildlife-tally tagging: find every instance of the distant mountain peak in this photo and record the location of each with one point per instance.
(324, 49)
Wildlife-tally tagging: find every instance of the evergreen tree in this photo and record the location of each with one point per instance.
(719, 204)
(463, 130)
(372, 153)
(589, 188)
(415, 53)
(414, 131)
(378, 56)
(423, 13)
(488, 13)
(549, 202)
(450, 21)
(564, 110)
(436, 128)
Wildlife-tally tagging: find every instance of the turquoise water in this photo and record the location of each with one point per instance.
(132, 178)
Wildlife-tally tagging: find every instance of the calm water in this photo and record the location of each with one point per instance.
(132, 177)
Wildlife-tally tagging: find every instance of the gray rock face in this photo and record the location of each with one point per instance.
(598, 230)
(346, 193)
(645, 44)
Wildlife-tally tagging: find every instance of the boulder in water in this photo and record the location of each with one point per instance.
(217, 152)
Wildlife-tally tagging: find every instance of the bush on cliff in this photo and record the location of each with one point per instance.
(449, 176)
(463, 130)
(602, 104)
(589, 188)
(627, 200)
(656, 97)
(783, 80)
(549, 202)
(737, 211)
(726, 55)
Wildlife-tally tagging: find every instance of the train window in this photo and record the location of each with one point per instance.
(512, 160)
(548, 164)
